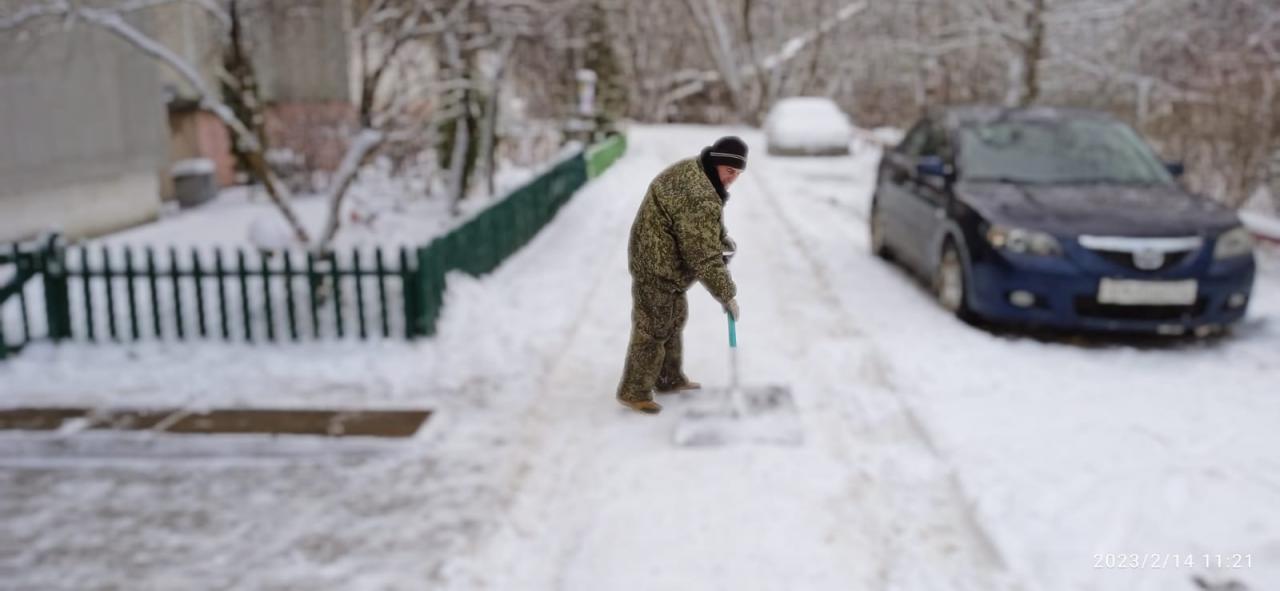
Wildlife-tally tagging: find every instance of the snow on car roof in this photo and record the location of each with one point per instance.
(963, 115)
(805, 104)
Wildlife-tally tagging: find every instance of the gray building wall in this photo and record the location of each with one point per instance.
(82, 134)
(193, 34)
(301, 50)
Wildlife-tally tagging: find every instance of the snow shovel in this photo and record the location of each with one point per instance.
(740, 415)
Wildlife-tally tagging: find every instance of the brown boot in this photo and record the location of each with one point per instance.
(648, 407)
(678, 388)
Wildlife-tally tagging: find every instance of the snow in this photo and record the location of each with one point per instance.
(270, 233)
(882, 137)
(795, 45)
(937, 456)
(192, 166)
(808, 123)
(1262, 225)
(694, 82)
(380, 210)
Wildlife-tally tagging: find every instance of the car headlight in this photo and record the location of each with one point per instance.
(1233, 243)
(1019, 241)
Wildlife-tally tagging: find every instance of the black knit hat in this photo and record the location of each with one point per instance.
(728, 151)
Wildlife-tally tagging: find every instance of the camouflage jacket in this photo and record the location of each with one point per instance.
(678, 236)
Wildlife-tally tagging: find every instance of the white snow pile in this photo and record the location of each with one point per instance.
(884, 137)
(810, 124)
(270, 233)
(192, 167)
(1261, 224)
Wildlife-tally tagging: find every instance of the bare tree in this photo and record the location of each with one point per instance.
(1200, 77)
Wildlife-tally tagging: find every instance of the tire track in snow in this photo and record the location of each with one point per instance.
(876, 372)
(569, 505)
(537, 424)
(545, 447)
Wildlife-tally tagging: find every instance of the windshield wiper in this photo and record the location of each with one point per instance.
(1005, 180)
(1102, 181)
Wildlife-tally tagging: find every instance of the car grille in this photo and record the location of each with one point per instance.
(1089, 306)
(1127, 260)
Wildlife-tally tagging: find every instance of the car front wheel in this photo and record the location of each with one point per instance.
(950, 285)
(878, 245)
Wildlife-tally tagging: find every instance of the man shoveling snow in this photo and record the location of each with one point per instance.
(678, 238)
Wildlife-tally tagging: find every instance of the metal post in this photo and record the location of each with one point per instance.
(360, 315)
(132, 295)
(153, 285)
(381, 270)
(288, 294)
(86, 278)
(266, 298)
(56, 293)
(175, 273)
(197, 274)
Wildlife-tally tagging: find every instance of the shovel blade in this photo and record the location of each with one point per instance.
(761, 415)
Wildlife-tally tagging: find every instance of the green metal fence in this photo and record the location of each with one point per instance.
(117, 294)
(602, 155)
(20, 264)
(482, 243)
(120, 294)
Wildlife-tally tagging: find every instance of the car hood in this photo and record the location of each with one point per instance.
(1097, 209)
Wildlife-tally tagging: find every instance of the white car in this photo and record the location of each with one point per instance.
(807, 126)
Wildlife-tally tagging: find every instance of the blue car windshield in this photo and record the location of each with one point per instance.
(1058, 152)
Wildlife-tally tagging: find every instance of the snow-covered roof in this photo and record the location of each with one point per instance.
(806, 105)
(960, 115)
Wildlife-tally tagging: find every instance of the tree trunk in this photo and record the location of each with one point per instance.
(715, 35)
(1032, 54)
(764, 96)
(461, 146)
(489, 128)
(362, 147)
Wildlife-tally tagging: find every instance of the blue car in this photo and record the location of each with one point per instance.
(1059, 219)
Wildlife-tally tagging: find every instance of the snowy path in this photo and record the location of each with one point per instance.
(937, 456)
(606, 502)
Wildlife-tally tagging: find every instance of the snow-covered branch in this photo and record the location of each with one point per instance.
(32, 12)
(137, 5)
(359, 151)
(216, 11)
(1112, 73)
(114, 23)
(785, 54)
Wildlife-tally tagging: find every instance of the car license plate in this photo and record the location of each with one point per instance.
(1128, 292)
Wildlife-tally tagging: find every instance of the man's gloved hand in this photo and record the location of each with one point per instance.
(730, 249)
(731, 307)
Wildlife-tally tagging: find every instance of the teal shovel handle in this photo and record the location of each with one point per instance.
(733, 331)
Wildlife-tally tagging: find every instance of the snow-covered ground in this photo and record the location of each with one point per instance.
(1263, 226)
(936, 457)
(380, 210)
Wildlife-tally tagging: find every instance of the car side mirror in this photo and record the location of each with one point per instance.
(1176, 169)
(933, 166)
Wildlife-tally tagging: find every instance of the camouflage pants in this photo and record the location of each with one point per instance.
(658, 316)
